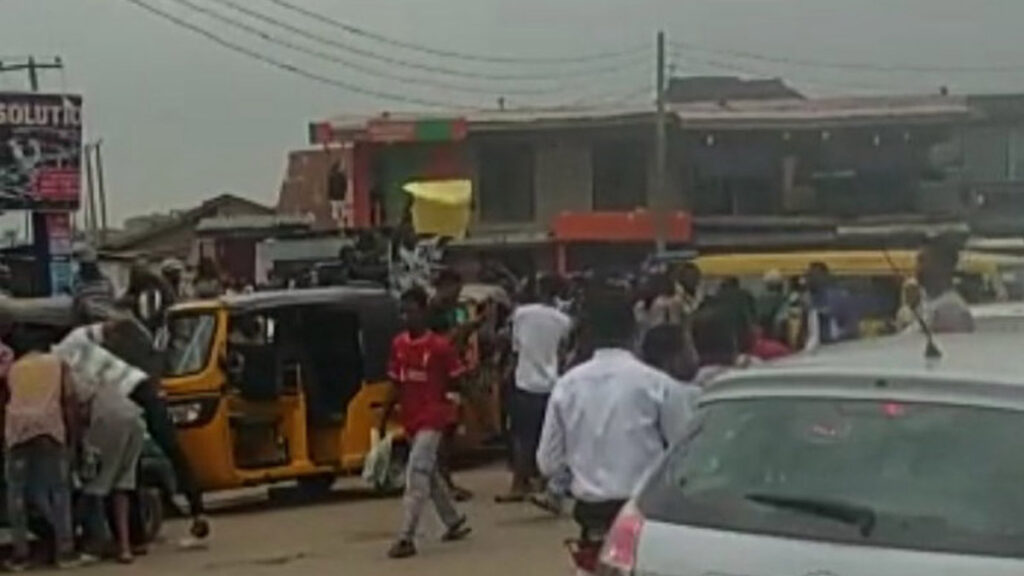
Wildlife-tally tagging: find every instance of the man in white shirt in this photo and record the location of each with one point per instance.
(539, 334)
(610, 419)
(943, 309)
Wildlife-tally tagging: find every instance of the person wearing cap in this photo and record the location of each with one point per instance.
(771, 304)
(93, 292)
(173, 272)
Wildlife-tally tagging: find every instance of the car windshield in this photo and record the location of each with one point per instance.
(190, 343)
(906, 475)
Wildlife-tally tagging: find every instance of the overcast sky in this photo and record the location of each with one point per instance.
(183, 119)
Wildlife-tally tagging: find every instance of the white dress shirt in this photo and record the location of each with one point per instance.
(538, 332)
(609, 421)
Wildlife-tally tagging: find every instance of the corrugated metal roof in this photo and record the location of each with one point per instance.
(253, 222)
(798, 113)
(303, 249)
(748, 114)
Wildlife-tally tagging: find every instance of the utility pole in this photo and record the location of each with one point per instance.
(660, 151)
(33, 67)
(40, 224)
(102, 188)
(90, 191)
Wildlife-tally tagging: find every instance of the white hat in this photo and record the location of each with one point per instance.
(773, 276)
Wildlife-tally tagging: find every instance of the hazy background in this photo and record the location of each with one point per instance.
(183, 119)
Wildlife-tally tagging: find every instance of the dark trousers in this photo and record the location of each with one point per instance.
(161, 429)
(595, 519)
(528, 411)
(38, 477)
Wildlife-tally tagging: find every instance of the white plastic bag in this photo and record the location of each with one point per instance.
(377, 464)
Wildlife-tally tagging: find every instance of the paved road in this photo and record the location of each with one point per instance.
(350, 534)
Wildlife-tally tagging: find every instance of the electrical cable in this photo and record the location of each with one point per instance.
(358, 31)
(744, 69)
(550, 75)
(361, 67)
(847, 65)
(285, 66)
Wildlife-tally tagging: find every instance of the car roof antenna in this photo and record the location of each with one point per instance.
(931, 349)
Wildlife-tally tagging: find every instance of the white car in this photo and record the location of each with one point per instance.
(1001, 317)
(866, 460)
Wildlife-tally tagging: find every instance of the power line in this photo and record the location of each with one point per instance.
(285, 66)
(358, 66)
(613, 99)
(847, 65)
(744, 69)
(358, 31)
(550, 75)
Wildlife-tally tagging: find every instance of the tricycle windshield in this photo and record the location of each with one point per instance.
(190, 343)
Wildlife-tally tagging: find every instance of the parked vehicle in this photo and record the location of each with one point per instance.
(863, 460)
(1002, 317)
(280, 385)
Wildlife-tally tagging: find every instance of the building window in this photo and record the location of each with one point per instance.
(506, 183)
(987, 155)
(620, 175)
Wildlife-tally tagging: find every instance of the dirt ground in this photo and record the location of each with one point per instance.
(350, 533)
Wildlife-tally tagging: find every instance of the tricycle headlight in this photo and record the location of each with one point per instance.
(188, 413)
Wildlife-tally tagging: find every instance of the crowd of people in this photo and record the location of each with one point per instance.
(78, 412)
(605, 374)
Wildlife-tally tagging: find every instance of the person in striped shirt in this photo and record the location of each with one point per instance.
(96, 355)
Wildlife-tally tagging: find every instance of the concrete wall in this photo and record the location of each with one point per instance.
(563, 179)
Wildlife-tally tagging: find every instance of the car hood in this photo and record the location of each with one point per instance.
(674, 550)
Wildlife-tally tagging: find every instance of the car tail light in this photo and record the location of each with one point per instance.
(618, 557)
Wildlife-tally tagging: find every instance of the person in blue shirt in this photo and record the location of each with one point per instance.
(833, 309)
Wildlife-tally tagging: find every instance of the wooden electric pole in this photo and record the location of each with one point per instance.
(33, 67)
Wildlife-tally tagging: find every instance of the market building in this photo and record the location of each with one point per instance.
(571, 188)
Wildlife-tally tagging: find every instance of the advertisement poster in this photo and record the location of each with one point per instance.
(40, 151)
(61, 274)
(58, 226)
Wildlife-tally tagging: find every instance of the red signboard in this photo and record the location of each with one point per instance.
(636, 226)
(55, 185)
(390, 131)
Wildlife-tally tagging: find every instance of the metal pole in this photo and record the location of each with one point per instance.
(660, 204)
(33, 75)
(90, 219)
(101, 186)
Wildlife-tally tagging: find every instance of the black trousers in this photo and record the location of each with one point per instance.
(161, 429)
(595, 519)
(528, 411)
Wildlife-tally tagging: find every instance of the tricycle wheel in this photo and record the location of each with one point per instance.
(395, 480)
(151, 508)
(318, 486)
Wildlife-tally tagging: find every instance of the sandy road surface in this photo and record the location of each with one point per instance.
(350, 534)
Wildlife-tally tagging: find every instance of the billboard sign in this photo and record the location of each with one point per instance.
(40, 151)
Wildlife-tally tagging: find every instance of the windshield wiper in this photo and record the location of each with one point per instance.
(863, 517)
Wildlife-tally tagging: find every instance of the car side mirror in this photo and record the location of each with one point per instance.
(233, 365)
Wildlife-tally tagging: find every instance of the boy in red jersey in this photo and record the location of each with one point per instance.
(422, 367)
